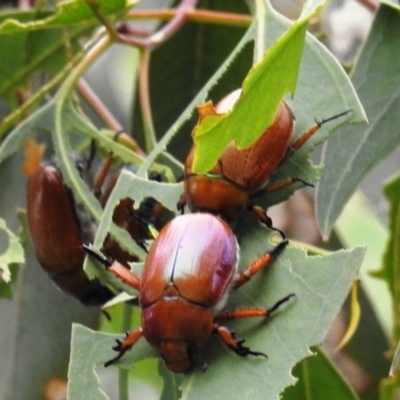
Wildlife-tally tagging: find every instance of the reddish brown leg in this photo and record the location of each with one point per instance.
(263, 217)
(306, 135)
(260, 263)
(123, 346)
(116, 268)
(229, 337)
(101, 176)
(295, 146)
(235, 343)
(252, 312)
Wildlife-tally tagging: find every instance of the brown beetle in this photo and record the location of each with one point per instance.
(57, 234)
(188, 274)
(241, 175)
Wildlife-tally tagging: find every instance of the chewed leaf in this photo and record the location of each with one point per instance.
(14, 254)
(313, 372)
(90, 349)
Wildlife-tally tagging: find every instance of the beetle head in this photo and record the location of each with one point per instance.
(177, 354)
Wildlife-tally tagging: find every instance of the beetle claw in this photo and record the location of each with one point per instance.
(118, 347)
(244, 351)
(101, 258)
(115, 359)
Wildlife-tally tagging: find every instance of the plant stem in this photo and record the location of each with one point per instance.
(144, 97)
(178, 19)
(97, 105)
(91, 56)
(203, 16)
(123, 374)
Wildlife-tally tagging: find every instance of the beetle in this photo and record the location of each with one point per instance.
(239, 176)
(135, 222)
(188, 274)
(57, 232)
(58, 226)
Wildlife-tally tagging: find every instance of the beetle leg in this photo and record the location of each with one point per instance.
(181, 204)
(306, 135)
(229, 337)
(101, 176)
(123, 346)
(235, 343)
(260, 263)
(252, 312)
(115, 267)
(265, 219)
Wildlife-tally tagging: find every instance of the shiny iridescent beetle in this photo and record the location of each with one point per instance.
(188, 274)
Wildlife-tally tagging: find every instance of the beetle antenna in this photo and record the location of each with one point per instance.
(324, 121)
(101, 258)
(306, 135)
(305, 183)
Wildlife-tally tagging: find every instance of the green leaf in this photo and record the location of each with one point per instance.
(90, 349)
(317, 377)
(390, 270)
(32, 51)
(67, 13)
(353, 151)
(14, 254)
(392, 3)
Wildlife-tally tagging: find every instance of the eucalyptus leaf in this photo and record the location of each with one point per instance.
(90, 349)
(355, 150)
(14, 254)
(313, 384)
